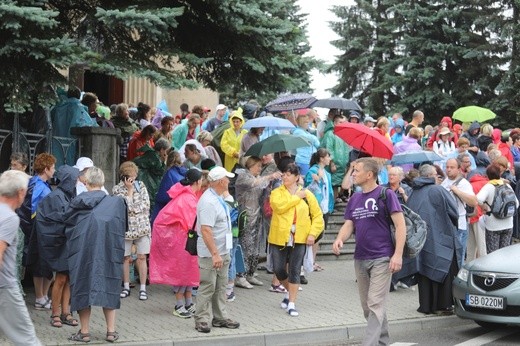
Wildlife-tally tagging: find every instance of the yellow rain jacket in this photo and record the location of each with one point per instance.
(230, 142)
(284, 206)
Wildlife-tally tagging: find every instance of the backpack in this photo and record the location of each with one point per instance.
(470, 211)
(504, 202)
(416, 229)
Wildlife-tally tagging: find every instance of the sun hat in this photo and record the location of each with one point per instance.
(444, 131)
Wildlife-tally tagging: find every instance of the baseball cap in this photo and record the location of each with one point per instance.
(354, 114)
(218, 173)
(221, 106)
(369, 119)
(83, 162)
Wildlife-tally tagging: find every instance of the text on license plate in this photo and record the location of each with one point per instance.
(485, 302)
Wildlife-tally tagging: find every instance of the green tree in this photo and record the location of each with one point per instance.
(256, 46)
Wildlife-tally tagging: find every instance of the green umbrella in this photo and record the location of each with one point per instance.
(276, 144)
(472, 113)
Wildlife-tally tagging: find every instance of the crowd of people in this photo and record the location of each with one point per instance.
(191, 172)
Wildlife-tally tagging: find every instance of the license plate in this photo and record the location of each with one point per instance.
(486, 302)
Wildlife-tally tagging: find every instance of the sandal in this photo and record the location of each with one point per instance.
(112, 336)
(124, 293)
(69, 320)
(56, 321)
(317, 268)
(143, 295)
(79, 336)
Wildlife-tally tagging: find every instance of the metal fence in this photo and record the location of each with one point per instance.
(64, 149)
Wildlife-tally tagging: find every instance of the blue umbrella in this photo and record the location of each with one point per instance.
(415, 157)
(269, 121)
(290, 102)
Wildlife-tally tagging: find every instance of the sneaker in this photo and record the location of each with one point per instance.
(284, 303)
(241, 281)
(202, 327)
(303, 280)
(277, 288)
(254, 281)
(227, 323)
(230, 297)
(190, 308)
(180, 311)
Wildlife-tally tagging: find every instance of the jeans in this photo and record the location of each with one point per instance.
(236, 265)
(463, 239)
(287, 261)
(374, 277)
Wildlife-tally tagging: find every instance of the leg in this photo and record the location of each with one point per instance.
(492, 241)
(505, 238)
(481, 238)
(208, 277)
(219, 296)
(57, 293)
(110, 318)
(15, 321)
(126, 270)
(84, 320)
(471, 253)
(38, 287)
(142, 268)
(66, 315)
(463, 238)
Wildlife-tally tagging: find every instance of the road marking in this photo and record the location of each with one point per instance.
(488, 337)
(403, 344)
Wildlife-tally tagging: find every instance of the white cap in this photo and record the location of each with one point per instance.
(218, 173)
(83, 162)
(220, 106)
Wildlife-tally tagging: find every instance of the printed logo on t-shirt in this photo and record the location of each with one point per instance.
(369, 210)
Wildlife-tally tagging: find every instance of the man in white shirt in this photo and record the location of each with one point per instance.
(463, 194)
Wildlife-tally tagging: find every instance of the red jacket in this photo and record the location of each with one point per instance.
(506, 152)
(135, 144)
(477, 182)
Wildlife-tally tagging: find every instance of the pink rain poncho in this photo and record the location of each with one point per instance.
(170, 264)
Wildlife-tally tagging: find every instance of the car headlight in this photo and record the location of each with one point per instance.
(463, 274)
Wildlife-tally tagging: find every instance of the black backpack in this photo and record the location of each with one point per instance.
(416, 228)
(504, 202)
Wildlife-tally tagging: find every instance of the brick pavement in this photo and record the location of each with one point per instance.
(329, 313)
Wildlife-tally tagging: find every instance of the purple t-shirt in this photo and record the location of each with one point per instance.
(371, 227)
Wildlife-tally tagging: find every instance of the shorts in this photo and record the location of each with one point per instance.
(142, 244)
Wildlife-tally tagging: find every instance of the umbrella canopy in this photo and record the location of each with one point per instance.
(337, 102)
(417, 156)
(276, 144)
(364, 139)
(269, 121)
(290, 102)
(471, 113)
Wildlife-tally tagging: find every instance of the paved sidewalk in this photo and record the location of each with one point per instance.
(329, 308)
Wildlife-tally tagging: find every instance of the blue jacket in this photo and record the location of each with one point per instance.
(170, 178)
(318, 194)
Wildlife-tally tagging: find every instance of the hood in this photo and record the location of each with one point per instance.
(236, 114)
(474, 125)
(421, 182)
(399, 122)
(178, 190)
(67, 176)
(447, 120)
(249, 110)
(501, 261)
(482, 160)
(409, 140)
(87, 200)
(477, 178)
(497, 134)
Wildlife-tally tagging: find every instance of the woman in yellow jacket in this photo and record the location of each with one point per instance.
(230, 143)
(296, 222)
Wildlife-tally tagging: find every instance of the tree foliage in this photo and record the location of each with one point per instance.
(430, 55)
(237, 46)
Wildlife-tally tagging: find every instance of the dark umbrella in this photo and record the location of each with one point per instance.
(417, 156)
(364, 139)
(290, 102)
(276, 144)
(338, 103)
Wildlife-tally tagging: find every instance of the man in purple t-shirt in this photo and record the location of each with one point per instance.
(375, 258)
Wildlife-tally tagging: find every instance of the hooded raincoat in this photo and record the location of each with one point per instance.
(339, 152)
(50, 222)
(151, 171)
(438, 208)
(95, 229)
(230, 143)
(170, 263)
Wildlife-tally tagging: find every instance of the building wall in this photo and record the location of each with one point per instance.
(139, 89)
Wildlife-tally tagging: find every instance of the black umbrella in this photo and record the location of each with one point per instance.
(338, 103)
(287, 103)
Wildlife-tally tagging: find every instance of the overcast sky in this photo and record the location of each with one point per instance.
(320, 34)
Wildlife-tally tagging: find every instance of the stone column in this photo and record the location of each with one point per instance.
(101, 144)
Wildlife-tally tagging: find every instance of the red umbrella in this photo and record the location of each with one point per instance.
(364, 139)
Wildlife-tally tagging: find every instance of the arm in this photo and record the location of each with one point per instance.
(317, 224)
(346, 183)
(396, 262)
(282, 201)
(225, 144)
(207, 236)
(344, 233)
(3, 247)
(466, 197)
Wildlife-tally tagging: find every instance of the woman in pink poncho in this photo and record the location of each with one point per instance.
(170, 263)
